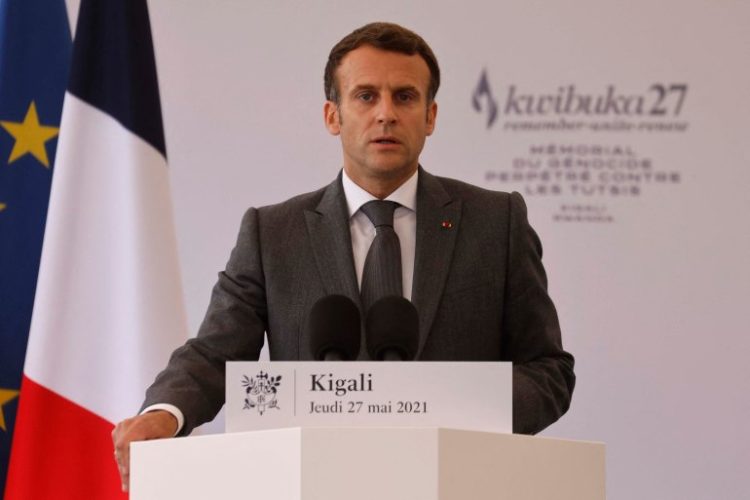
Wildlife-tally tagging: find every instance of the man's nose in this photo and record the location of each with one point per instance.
(386, 113)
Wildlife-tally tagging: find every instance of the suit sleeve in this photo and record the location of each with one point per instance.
(543, 377)
(233, 329)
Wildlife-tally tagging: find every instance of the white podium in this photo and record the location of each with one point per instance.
(367, 464)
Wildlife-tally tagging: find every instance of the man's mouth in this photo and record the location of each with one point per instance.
(386, 140)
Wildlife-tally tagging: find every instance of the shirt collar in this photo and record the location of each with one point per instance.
(405, 195)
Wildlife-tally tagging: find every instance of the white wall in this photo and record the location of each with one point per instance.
(653, 304)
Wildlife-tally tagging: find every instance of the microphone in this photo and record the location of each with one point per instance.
(392, 327)
(335, 328)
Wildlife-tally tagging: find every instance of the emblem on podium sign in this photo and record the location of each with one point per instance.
(260, 391)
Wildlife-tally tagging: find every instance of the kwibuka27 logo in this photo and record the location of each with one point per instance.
(658, 100)
(261, 391)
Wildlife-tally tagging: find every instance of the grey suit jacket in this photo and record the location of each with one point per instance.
(479, 287)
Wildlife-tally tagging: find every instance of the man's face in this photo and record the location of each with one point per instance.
(383, 116)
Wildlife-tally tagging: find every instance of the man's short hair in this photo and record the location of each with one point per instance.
(384, 36)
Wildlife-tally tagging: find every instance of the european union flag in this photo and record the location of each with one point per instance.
(35, 49)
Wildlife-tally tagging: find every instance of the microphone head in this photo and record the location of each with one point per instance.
(392, 327)
(335, 327)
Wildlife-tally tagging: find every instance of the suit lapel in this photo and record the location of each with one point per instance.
(330, 238)
(438, 218)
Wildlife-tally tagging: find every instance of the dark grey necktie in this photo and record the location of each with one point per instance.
(382, 272)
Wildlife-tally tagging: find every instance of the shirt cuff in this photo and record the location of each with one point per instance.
(176, 413)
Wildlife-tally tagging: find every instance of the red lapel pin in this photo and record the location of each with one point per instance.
(446, 224)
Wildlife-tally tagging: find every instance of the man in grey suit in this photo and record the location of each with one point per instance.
(471, 264)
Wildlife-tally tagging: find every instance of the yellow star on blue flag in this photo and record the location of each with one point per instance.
(35, 52)
(6, 395)
(30, 136)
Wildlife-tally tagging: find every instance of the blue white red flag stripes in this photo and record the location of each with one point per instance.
(108, 307)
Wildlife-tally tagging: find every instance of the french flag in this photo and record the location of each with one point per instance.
(109, 308)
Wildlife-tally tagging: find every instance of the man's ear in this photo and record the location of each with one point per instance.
(431, 116)
(331, 117)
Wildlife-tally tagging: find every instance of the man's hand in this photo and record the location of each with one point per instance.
(152, 425)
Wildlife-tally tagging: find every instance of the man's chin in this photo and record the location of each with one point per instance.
(392, 171)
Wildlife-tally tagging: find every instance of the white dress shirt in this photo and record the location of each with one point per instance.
(362, 233)
(404, 223)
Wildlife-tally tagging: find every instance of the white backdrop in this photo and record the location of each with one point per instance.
(649, 270)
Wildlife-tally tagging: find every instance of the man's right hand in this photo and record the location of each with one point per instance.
(156, 424)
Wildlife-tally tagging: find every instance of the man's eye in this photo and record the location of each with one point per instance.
(366, 97)
(405, 97)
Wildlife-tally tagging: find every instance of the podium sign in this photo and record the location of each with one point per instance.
(461, 395)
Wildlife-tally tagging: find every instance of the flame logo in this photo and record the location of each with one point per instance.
(484, 90)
